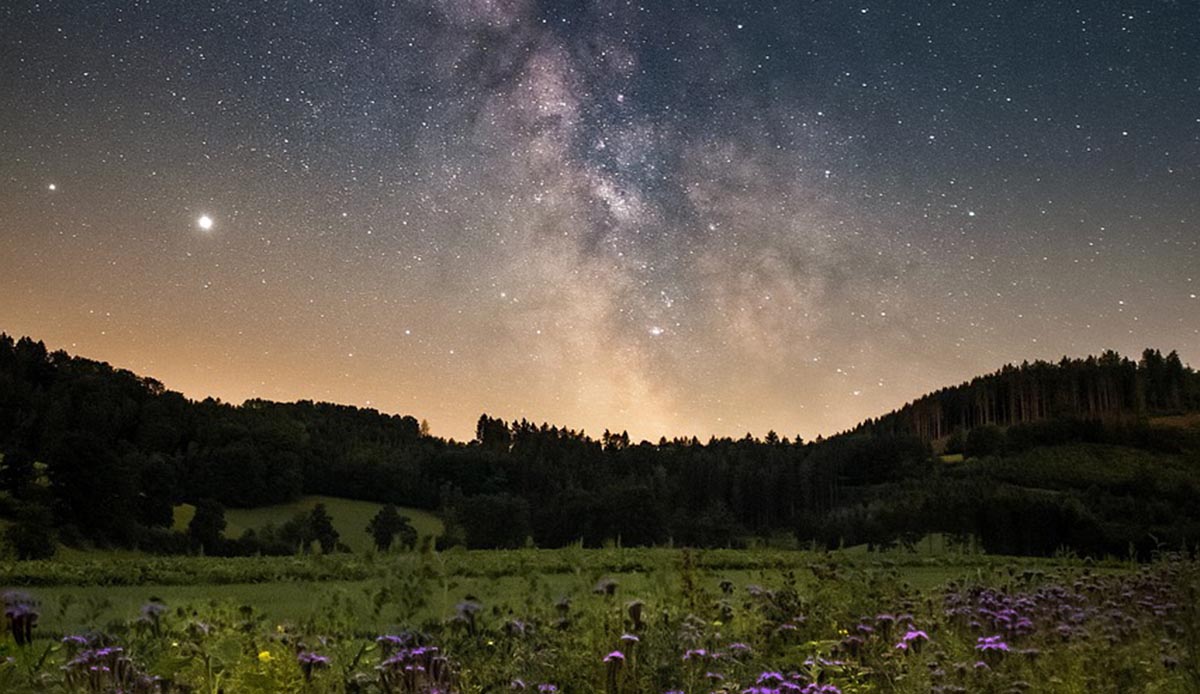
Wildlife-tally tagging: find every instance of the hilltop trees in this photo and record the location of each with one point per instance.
(106, 454)
(493, 434)
(1164, 386)
(1104, 388)
(110, 453)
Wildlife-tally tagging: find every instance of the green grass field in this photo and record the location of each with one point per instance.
(350, 518)
(78, 593)
(237, 609)
(73, 608)
(248, 614)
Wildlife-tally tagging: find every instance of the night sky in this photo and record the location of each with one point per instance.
(668, 217)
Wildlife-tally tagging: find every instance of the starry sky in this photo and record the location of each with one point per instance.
(673, 218)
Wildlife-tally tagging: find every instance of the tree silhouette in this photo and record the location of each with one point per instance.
(32, 535)
(386, 524)
(320, 528)
(207, 527)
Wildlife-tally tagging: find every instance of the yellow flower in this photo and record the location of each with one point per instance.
(264, 657)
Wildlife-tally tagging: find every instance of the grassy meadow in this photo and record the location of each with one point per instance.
(552, 620)
(350, 518)
(81, 594)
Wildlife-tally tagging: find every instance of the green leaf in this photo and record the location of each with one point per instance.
(258, 682)
(227, 651)
(169, 665)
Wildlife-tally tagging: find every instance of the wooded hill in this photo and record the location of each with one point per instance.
(1107, 387)
(95, 456)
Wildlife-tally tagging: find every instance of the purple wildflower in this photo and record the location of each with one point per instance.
(991, 644)
(22, 613)
(311, 662)
(912, 640)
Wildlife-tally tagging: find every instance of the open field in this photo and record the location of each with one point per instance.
(551, 616)
(79, 595)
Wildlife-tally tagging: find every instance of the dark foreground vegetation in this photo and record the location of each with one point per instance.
(1079, 455)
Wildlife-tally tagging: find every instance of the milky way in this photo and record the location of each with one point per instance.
(671, 218)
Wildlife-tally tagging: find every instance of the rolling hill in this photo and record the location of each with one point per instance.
(1096, 455)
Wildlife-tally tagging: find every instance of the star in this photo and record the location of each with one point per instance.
(546, 209)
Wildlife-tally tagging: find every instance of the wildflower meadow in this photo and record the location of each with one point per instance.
(612, 621)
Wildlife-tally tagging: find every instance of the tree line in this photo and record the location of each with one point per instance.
(99, 456)
(1107, 387)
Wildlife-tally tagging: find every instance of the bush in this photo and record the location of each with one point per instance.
(30, 538)
(985, 440)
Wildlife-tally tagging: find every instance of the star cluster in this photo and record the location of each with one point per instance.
(670, 217)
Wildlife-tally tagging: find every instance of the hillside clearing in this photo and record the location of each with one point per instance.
(350, 518)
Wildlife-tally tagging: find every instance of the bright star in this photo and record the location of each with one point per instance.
(205, 222)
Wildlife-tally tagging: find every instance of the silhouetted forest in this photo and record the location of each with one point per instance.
(1096, 388)
(1060, 455)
